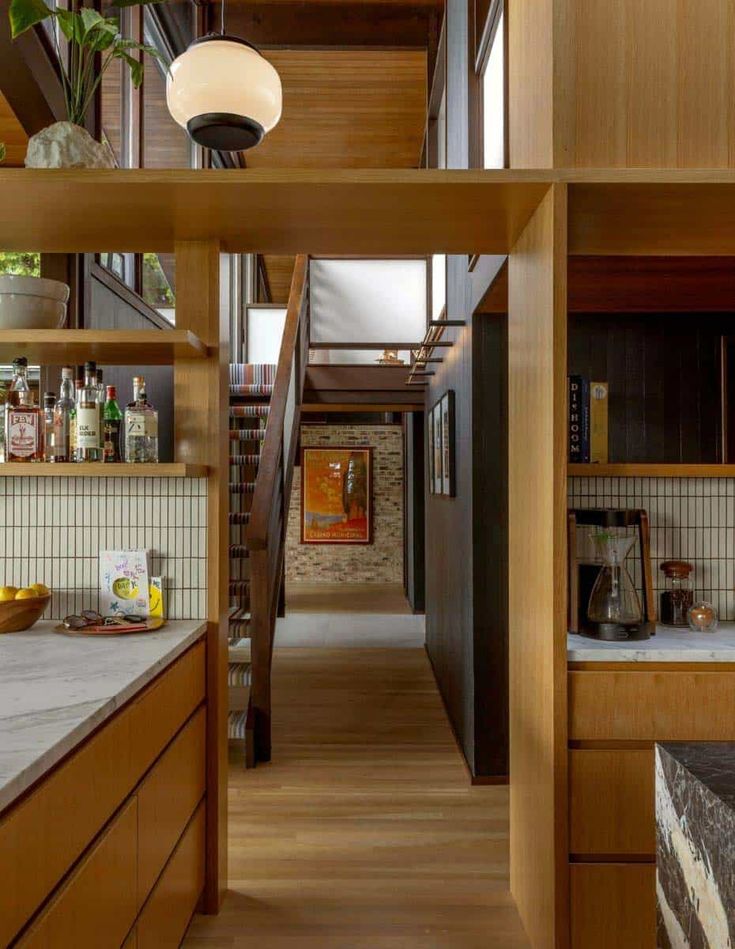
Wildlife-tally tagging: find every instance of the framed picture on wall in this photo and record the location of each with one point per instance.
(437, 448)
(337, 495)
(448, 459)
(441, 446)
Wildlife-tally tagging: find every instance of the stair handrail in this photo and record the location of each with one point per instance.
(257, 538)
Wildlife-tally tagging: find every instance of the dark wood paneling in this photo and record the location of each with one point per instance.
(664, 376)
(490, 541)
(415, 530)
(336, 378)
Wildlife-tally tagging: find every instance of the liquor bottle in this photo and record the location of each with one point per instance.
(101, 407)
(22, 418)
(112, 427)
(49, 401)
(63, 410)
(88, 418)
(141, 427)
(3, 403)
(78, 386)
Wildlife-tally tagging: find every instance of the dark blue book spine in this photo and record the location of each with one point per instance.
(579, 420)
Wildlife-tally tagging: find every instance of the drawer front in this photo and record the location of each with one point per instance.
(166, 915)
(167, 798)
(97, 904)
(611, 802)
(613, 905)
(652, 706)
(36, 846)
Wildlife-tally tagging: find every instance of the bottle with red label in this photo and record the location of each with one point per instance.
(23, 419)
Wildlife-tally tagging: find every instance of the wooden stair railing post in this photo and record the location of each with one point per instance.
(265, 544)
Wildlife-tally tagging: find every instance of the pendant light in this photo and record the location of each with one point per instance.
(223, 92)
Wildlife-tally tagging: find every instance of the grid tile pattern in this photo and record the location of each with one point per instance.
(52, 529)
(691, 519)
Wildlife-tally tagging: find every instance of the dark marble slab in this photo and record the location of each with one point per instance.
(695, 853)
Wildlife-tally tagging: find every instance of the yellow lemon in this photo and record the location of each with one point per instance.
(26, 593)
(7, 593)
(40, 588)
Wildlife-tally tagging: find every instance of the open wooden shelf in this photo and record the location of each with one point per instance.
(111, 347)
(651, 471)
(99, 470)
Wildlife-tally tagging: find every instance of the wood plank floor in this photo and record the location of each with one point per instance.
(346, 598)
(364, 832)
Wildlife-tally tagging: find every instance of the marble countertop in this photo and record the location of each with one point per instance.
(668, 645)
(56, 689)
(712, 763)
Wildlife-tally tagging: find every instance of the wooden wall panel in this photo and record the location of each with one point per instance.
(645, 85)
(537, 505)
(12, 134)
(200, 420)
(613, 906)
(531, 84)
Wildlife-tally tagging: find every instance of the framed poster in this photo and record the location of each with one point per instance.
(447, 425)
(430, 443)
(336, 495)
(437, 448)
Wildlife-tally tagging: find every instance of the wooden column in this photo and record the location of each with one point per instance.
(537, 571)
(200, 436)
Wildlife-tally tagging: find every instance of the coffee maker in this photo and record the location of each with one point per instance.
(603, 601)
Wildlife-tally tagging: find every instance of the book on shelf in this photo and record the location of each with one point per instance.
(579, 420)
(598, 395)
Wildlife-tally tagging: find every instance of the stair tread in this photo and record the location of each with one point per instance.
(243, 460)
(236, 725)
(249, 411)
(239, 551)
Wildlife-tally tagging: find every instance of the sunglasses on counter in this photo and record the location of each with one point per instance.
(93, 618)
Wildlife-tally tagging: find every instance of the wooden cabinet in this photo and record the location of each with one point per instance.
(613, 905)
(96, 905)
(611, 802)
(165, 916)
(96, 833)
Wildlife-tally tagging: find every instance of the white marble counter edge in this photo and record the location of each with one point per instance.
(25, 779)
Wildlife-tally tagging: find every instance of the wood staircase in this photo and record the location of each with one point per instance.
(265, 411)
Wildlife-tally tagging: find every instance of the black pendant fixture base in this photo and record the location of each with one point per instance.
(225, 131)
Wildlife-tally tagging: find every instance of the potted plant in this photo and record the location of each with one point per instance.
(67, 144)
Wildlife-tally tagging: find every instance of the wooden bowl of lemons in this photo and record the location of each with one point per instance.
(21, 608)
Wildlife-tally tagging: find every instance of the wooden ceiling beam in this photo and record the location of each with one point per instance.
(289, 25)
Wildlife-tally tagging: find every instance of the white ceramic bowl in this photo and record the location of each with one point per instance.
(32, 303)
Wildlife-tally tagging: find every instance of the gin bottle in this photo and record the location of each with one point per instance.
(3, 403)
(101, 408)
(89, 437)
(49, 401)
(141, 427)
(78, 386)
(22, 418)
(63, 410)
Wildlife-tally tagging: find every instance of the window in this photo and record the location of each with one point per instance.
(493, 96)
(20, 264)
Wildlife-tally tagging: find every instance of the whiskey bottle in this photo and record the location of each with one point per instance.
(22, 418)
(112, 428)
(141, 427)
(89, 438)
(49, 401)
(61, 446)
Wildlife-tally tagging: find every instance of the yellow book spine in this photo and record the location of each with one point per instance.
(598, 423)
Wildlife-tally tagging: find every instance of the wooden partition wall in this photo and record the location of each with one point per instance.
(536, 516)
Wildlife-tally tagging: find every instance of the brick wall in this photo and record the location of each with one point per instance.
(379, 562)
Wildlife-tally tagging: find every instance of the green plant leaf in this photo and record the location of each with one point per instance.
(136, 68)
(91, 19)
(24, 14)
(71, 24)
(102, 36)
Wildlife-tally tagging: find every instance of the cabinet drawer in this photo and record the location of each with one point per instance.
(97, 904)
(167, 798)
(163, 921)
(611, 802)
(613, 905)
(652, 706)
(42, 836)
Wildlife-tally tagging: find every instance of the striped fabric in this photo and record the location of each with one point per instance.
(239, 517)
(252, 374)
(247, 434)
(242, 391)
(243, 460)
(236, 725)
(238, 674)
(239, 588)
(243, 487)
(239, 551)
(249, 411)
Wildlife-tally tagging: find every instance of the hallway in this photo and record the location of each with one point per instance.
(364, 832)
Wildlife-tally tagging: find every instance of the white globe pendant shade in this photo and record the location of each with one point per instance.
(224, 93)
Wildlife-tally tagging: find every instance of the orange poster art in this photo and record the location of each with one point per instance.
(336, 496)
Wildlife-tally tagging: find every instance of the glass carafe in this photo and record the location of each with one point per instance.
(614, 604)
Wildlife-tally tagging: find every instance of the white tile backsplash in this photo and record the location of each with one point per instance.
(691, 518)
(52, 529)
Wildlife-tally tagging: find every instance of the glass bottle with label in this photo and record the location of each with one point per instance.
(61, 446)
(141, 427)
(101, 406)
(78, 386)
(3, 403)
(23, 420)
(88, 437)
(112, 428)
(49, 401)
